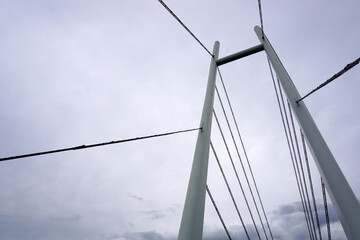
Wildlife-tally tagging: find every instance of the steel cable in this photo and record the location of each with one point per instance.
(217, 211)
(236, 173)
(228, 187)
(311, 184)
(326, 209)
(282, 117)
(242, 165)
(297, 171)
(287, 137)
(261, 19)
(96, 145)
(186, 28)
(245, 153)
(288, 143)
(347, 68)
(302, 170)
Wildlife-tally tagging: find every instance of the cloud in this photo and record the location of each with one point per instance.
(75, 72)
(150, 235)
(155, 214)
(4, 215)
(40, 227)
(288, 221)
(113, 237)
(158, 214)
(238, 232)
(67, 219)
(137, 198)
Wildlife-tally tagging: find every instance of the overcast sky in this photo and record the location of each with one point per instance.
(82, 72)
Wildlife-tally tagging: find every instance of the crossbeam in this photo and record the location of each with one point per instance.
(241, 54)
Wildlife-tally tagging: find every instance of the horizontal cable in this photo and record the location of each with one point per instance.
(347, 68)
(182, 24)
(96, 144)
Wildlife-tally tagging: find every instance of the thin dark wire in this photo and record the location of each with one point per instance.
(347, 68)
(302, 170)
(288, 143)
(182, 24)
(96, 144)
(245, 153)
(295, 158)
(218, 212)
(261, 19)
(242, 165)
(311, 184)
(326, 209)
(228, 187)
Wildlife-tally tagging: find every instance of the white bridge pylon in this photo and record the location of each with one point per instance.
(343, 198)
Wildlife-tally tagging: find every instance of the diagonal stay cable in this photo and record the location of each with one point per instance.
(229, 189)
(297, 171)
(217, 211)
(245, 153)
(287, 137)
(288, 143)
(97, 144)
(242, 165)
(261, 18)
(235, 171)
(311, 184)
(326, 209)
(302, 170)
(186, 28)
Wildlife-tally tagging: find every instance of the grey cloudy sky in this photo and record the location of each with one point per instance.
(81, 72)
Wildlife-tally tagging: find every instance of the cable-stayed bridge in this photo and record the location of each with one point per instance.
(258, 216)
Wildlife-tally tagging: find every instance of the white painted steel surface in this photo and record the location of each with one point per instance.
(343, 198)
(238, 55)
(191, 227)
